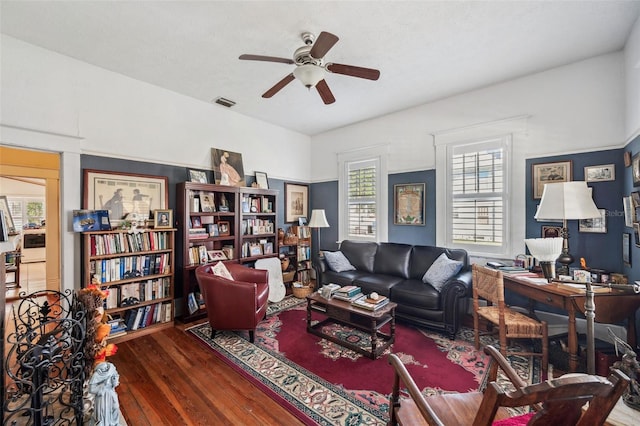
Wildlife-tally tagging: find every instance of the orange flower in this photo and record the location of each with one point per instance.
(102, 332)
(102, 355)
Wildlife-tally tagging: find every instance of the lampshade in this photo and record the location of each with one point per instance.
(318, 219)
(566, 200)
(309, 75)
(544, 249)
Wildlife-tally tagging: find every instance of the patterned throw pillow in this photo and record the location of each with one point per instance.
(221, 270)
(441, 270)
(338, 261)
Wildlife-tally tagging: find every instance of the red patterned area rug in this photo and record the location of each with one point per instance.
(323, 383)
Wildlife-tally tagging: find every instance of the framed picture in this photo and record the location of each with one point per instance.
(597, 225)
(560, 171)
(602, 173)
(215, 255)
(4, 207)
(409, 204)
(162, 218)
(635, 198)
(212, 229)
(626, 249)
(551, 231)
(90, 220)
(124, 195)
(196, 222)
(635, 169)
(207, 204)
(296, 201)
(261, 180)
(629, 211)
(636, 233)
(223, 228)
(4, 229)
(302, 221)
(199, 176)
(227, 167)
(255, 250)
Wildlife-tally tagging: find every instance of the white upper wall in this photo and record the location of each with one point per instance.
(121, 117)
(632, 69)
(578, 107)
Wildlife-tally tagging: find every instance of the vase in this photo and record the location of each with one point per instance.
(280, 235)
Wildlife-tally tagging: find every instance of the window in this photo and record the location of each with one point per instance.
(478, 197)
(363, 195)
(26, 210)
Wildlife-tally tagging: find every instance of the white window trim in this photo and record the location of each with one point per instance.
(380, 153)
(517, 129)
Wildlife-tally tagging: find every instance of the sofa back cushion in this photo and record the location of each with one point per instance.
(361, 254)
(423, 257)
(393, 259)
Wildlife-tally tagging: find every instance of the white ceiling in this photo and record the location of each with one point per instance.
(425, 50)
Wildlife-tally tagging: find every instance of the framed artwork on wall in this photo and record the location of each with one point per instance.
(560, 171)
(597, 225)
(626, 249)
(551, 231)
(4, 207)
(409, 204)
(629, 211)
(124, 195)
(602, 173)
(635, 169)
(296, 201)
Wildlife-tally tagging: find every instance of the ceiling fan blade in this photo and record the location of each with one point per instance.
(322, 45)
(325, 92)
(353, 71)
(266, 59)
(278, 86)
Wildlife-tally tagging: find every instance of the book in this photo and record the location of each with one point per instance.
(346, 298)
(380, 299)
(362, 303)
(348, 290)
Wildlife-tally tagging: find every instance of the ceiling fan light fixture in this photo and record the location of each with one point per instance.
(309, 74)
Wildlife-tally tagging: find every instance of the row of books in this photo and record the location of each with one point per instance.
(145, 316)
(127, 294)
(256, 205)
(122, 242)
(120, 268)
(304, 253)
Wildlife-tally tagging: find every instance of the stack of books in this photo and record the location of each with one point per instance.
(369, 304)
(348, 293)
(118, 327)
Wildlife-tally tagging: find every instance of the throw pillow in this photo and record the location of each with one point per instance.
(221, 271)
(441, 270)
(338, 262)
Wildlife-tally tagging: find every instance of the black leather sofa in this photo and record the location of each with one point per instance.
(396, 270)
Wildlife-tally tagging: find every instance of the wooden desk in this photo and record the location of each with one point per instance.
(612, 306)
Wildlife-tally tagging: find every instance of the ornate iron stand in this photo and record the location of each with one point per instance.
(45, 364)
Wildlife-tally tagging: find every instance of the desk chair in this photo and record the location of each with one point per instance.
(488, 285)
(555, 402)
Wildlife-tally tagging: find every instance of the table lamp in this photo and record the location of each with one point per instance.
(546, 250)
(318, 220)
(566, 201)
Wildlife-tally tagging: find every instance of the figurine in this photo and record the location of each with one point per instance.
(103, 385)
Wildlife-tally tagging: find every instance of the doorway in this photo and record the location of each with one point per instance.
(39, 172)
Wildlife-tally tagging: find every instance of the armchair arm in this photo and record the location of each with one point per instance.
(248, 275)
(320, 267)
(498, 361)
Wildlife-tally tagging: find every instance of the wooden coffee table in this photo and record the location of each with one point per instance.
(343, 312)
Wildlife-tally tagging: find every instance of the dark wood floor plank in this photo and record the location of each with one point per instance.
(170, 378)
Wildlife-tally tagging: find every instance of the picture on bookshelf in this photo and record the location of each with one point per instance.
(255, 250)
(199, 176)
(223, 228)
(268, 248)
(227, 167)
(212, 229)
(196, 222)
(261, 180)
(162, 218)
(215, 255)
(192, 303)
(206, 203)
(91, 220)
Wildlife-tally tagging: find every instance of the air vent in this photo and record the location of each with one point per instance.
(224, 102)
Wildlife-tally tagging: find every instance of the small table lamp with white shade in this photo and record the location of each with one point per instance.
(318, 220)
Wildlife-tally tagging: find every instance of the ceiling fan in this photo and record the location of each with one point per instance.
(310, 67)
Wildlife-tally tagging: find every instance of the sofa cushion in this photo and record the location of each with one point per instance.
(337, 261)
(441, 271)
(393, 259)
(417, 294)
(341, 278)
(361, 254)
(379, 283)
(423, 257)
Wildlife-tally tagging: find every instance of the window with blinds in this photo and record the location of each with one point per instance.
(361, 198)
(477, 191)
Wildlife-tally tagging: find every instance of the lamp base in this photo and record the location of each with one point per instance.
(548, 270)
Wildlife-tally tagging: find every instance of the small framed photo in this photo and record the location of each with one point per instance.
(560, 171)
(626, 249)
(261, 180)
(199, 176)
(223, 228)
(212, 229)
(163, 218)
(635, 169)
(207, 204)
(302, 221)
(196, 222)
(551, 231)
(215, 255)
(268, 248)
(597, 225)
(255, 250)
(602, 173)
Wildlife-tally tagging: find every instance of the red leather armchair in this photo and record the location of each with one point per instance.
(234, 305)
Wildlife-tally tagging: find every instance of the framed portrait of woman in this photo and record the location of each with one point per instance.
(227, 167)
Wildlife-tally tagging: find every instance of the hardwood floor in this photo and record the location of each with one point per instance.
(168, 378)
